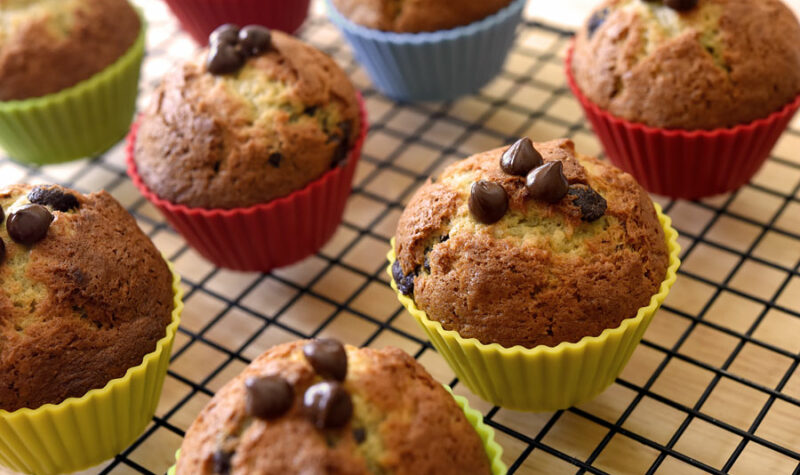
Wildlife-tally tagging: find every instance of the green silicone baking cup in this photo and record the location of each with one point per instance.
(545, 378)
(493, 450)
(83, 120)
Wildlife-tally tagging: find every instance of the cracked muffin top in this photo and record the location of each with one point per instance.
(84, 294)
(318, 407)
(50, 45)
(258, 128)
(415, 16)
(715, 64)
(566, 252)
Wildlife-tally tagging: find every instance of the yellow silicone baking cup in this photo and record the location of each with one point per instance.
(493, 450)
(80, 121)
(81, 432)
(545, 378)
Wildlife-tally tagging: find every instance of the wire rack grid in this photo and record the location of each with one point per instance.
(713, 388)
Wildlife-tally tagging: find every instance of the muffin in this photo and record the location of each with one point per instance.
(240, 139)
(200, 17)
(43, 45)
(414, 16)
(544, 272)
(532, 246)
(429, 50)
(716, 65)
(45, 71)
(682, 66)
(84, 294)
(258, 117)
(88, 312)
(319, 407)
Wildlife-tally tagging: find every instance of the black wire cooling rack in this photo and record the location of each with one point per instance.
(714, 387)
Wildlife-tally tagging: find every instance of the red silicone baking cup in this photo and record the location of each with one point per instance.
(688, 164)
(265, 236)
(200, 17)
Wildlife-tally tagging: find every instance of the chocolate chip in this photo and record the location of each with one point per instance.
(54, 197)
(405, 283)
(2, 214)
(222, 462)
(310, 110)
(444, 238)
(29, 224)
(227, 33)
(254, 40)
(2, 251)
(343, 147)
(268, 397)
(426, 264)
(224, 58)
(275, 159)
(328, 405)
(591, 203)
(520, 158)
(548, 182)
(327, 357)
(681, 5)
(596, 21)
(488, 201)
(360, 435)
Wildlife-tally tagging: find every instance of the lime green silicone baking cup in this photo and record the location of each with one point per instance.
(80, 121)
(545, 378)
(493, 449)
(81, 432)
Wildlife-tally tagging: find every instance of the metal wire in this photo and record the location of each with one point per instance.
(112, 168)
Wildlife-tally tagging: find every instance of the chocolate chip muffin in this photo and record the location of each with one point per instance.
(534, 244)
(50, 45)
(415, 16)
(319, 407)
(689, 64)
(254, 118)
(84, 294)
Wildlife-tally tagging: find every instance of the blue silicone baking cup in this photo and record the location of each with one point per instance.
(433, 66)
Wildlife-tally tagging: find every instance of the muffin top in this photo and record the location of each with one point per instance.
(415, 16)
(50, 45)
(84, 294)
(573, 249)
(312, 407)
(718, 64)
(249, 136)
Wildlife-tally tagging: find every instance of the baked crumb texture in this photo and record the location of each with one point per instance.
(403, 422)
(415, 16)
(541, 275)
(246, 138)
(722, 63)
(50, 45)
(81, 306)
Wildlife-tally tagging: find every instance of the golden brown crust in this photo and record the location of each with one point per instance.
(414, 16)
(80, 307)
(540, 275)
(724, 63)
(48, 46)
(413, 426)
(206, 141)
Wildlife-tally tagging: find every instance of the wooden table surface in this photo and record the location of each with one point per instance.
(714, 386)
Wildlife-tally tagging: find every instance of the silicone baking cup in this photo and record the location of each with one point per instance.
(81, 432)
(545, 378)
(200, 17)
(436, 65)
(688, 164)
(493, 450)
(80, 121)
(265, 236)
